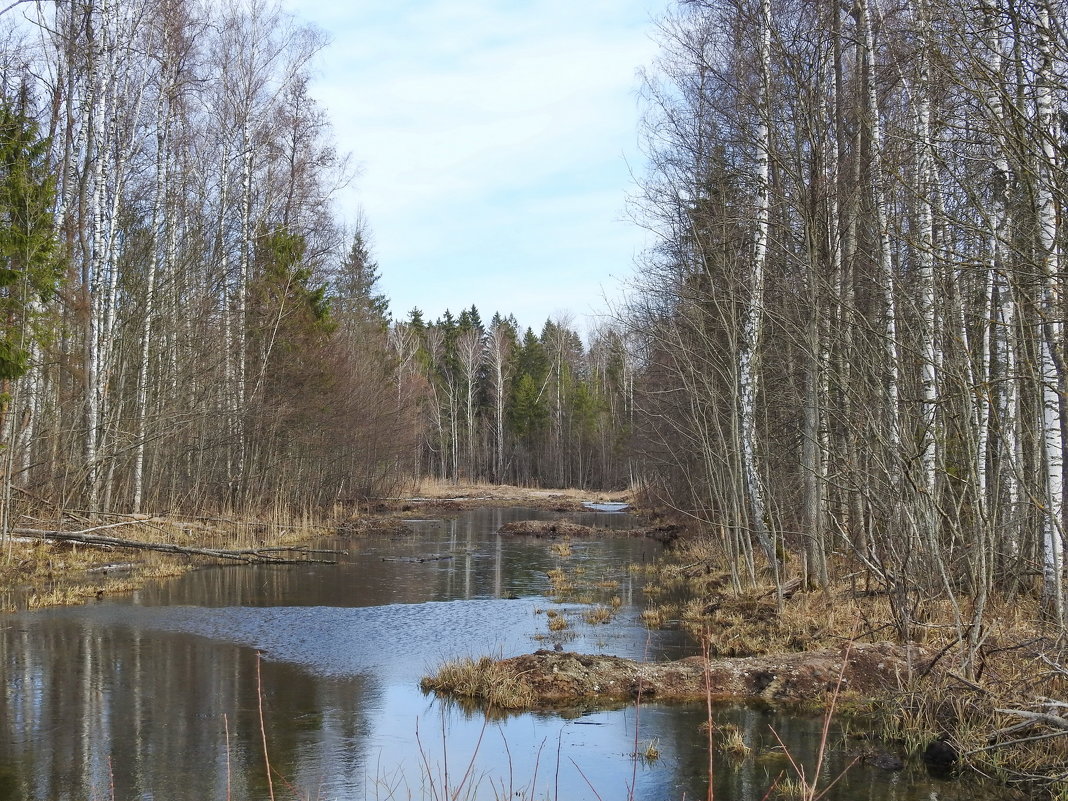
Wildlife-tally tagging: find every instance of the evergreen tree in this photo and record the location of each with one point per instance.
(290, 313)
(356, 286)
(29, 269)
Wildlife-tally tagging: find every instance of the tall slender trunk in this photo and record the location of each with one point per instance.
(884, 264)
(1050, 339)
(926, 444)
(159, 211)
(754, 310)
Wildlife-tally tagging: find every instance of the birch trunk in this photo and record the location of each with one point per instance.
(754, 310)
(1051, 336)
(884, 264)
(159, 211)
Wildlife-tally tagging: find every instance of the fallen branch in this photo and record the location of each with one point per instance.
(1006, 743)
(1055, 721)
(85, 537)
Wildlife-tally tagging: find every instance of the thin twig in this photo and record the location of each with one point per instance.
(263, 728)
(993, 747)
(1041, 717)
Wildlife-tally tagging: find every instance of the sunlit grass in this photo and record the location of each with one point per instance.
(483, 679)
(557, 623)
(598, 614)
(561, 549)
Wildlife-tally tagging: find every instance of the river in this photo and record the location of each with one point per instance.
(161, 694)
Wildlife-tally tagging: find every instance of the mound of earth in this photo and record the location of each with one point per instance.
(373, 525)
(554, 529)
(564, 677)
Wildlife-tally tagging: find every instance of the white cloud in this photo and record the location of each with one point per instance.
(492, 138)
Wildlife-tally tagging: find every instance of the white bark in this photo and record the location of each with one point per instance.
(497, 349)
(925, 255)
(1001, 366)
(160, 211)
(1051, 339)
(471, 350)
(754, 310)
(885, 268)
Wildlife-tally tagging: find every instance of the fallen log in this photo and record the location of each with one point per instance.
(248, 556)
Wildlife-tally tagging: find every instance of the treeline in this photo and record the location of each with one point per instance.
(507, 406)
(185, 322)
(853, 329)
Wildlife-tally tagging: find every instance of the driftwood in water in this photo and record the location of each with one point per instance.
(269, 555)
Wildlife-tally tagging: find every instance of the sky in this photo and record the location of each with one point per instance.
(496, 142)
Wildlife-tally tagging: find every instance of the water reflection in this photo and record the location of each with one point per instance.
(158, 696)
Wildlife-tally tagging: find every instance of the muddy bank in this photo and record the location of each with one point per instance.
(372, 525)
(560, 678)
(557, 529)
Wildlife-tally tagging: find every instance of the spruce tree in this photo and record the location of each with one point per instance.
(29, 269)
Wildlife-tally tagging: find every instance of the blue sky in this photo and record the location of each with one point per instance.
(495, 142)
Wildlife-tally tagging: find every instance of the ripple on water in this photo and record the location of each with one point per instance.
(401, 641)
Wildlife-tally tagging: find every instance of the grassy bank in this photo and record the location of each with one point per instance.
(38, 571)
(991, 702)
(994, 702)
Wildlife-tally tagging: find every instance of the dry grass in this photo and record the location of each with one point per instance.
(653, 617)
(651, 752)
(598, 614)
(729, 740)
(561, 549)
(511, 495)
(1019, 663)
(482, 679)
(790, 788)
(559, 583)
(36, 573)
(750, 622)
(557, 623)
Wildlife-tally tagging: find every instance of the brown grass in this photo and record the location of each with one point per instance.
(561, 549)
(653, 617)
(731, 742)
(557, 623)
(598, 614)
(36, 573)
(435, 488)
(482, 679)
(1020, 662)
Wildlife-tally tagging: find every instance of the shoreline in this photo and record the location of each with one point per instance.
(786, 637)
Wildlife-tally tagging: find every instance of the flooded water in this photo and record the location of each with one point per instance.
(161, 695)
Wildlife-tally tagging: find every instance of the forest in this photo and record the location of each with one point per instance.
(848, 339)
(851, 335)
(189, 324)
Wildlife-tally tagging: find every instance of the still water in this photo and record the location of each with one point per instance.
(159, 695)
